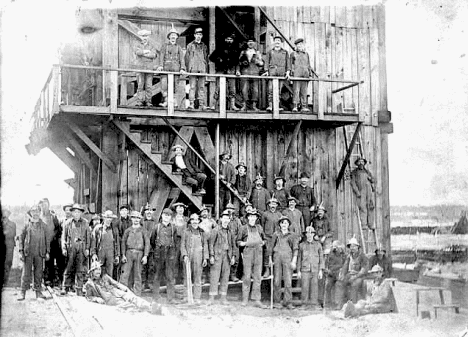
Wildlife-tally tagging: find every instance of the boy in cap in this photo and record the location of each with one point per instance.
(305, 197)
(222, 257)
(105, 243)
(76, 243)
(252, 239)
(149, 224)
(243, 186)
(260, 195)
(333, 263)
(180, 221)
(163, 242)
(227, 173)
(297, 220)
(145, 57)
(300, 67)
(269, 221)
(284, 248)
(33, 249)
(280, 193)
(276, 64)
(226, 60)
(194, 250)
(135, 249)
(192, 174)
(310, 267)
(250, 63)
(171, 59)
(196, 60)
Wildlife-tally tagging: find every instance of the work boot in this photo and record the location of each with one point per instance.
(269, 108)
(233, 104)
(224, 300)
(211, 300)
(233, 278)
(277, 306)
(349, 310)
(245, 300)
(244, 106)
(64, 291)
(191, 106)
(266, 273)
(22, 295)
(79, 292)
(254, 106)
(305, 109)
(39, 295)
(295, 108)
(258, 304)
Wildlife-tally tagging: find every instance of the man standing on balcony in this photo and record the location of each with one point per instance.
(276, 64)
(171, 59)
(145, 56)
(250, 63)
(226, 60)
(196, 60)
(300, 67)
(305, 197)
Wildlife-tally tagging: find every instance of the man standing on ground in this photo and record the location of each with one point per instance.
(305, 197)
(9, 233)
(269, 223)
(105, 243)
(121, 224)
(149, 224)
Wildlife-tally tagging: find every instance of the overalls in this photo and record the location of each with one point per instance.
(252, 261)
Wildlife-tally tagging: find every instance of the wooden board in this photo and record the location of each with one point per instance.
(133, 166)
(364, 73)
(109, 177)
(374, 75)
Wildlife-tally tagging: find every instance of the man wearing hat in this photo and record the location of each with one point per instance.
(243, 186)
(222, 257)
(276, 64)
(145, 57)
(33, 250)
(235, 225)
(362, 183)
(322, 226)
(295, 216)
(122, 223)
(334, 260)
(381, 259)
(149, 224)
(260, 195)
(269, 221)
(280, 193)
(163, 242)
(76, 243)
(250, 63)
(95, 221)
(226, 60)
(105, 243)
(196, 60)
(252, 239)
(305, 197)
(135, 249)
(9, 234)
(192, 175)
(171, 58)
(352, 274)
(227, 173)
(180, 221)
(284, 249)
(300, 67)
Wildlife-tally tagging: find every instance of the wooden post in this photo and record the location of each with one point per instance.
(114, 76)
(257, 23)
(170, 94)
(217, 172)
(275, 98)
(123, 90)
(109, 177)
(110, 51)
(212, 47)
(322, 100)
(222, 97)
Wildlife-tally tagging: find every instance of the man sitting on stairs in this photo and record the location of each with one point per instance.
(193, 176)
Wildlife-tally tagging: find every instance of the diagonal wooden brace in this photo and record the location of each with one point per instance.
(348, 155)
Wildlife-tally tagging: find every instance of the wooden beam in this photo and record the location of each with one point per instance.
(130, 27)
(159, 195)
(186, 133)
(206, 144)
(385, 116)
(231, 20)
(276, 99)
(76, 146)
(105, 158)
(211, 49)
(386, 128)
(348, 155)
(222, 97)
(60, 151)
(110, 179)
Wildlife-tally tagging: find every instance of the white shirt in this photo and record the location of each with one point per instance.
(179, 160)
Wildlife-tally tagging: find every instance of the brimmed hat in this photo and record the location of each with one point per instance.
(94, 265)
(225, 212)
(78, 207)
(147, 207)
(193, 216)
(124, 206)
(241, 164)
(299, 40)
(108, 214)
(310, 229)
(291, 198)
(337, 244)
(376, 269)
(96, 217)
(253, 211)
(259, 177)
(230, 35)
(225, 153)
(135, 214)
(167, 211)
(172, 31)
(360, 158)
(320, 208)
(304, 175)
(278, 178)
(273, 200)
(144, 32)
(204, 208)
(179, 204)
(198, 30)
(251, 39)
(230, 206)
(284, 217)
(66, 205)
(177, 146)
(278, 37)
(353, 241)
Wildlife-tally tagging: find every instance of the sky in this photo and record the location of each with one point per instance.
(427, 71)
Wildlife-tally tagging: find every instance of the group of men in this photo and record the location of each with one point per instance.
(228, 60)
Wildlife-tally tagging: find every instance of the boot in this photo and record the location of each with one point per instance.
(233, 278)
(191, 107)
(245, 300)
(224, 300)
(79, 292)
(266, 273)
(211, 300)
(270, 107)
(22, 295)
(39, 295)
(260, 305)
(295, 107)
(244, 106)
(254, 106)
(233, 104)
(163, 102)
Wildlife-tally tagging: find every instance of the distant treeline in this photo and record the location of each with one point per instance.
(407, 230)
(439, 213)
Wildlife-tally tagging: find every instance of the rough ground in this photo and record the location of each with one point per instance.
(43, 318)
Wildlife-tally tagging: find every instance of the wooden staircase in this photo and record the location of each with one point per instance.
(164, 166)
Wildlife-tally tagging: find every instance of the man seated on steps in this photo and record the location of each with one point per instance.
(193, 176)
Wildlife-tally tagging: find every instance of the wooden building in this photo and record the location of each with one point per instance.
(119, 153)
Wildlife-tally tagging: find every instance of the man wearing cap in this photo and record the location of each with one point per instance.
(76, 243)
(122, 223)
(163, 242)
(284, 249)
(222, 257)
(207, 223)
(194, 250)
(135, 249)
(322, 226)
(250, 63)
(235, 225)
(280, 193)
(305, 197)
(9, 234)
(149, 224)
(297, 220)
(260, 195)
(252, 239)
(192, 174)
(180, 221)
(105, 243)
(352, 273)
(310, 267)
(269, 221)
(33, 249)
(145, 57)
(227, 173)
(333, 263)
(362, 183)
(379, 298)
(226, 60)
(381, 259)
(196, 60)
(243, 186)
(300, 67)
(171, 59)
(276, 64)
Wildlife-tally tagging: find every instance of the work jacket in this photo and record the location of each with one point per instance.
(334, 262)
(283, 245)
(277, 62)
(300, 64)
(146, 62)
(226, 59)
(76, 234)
(297, 221)
(228, 172)
(196, 57)
(281, 195)
(171, 57)
(25, 239)
(186, 243)
(222, 240)
(304, 195)
(269, 222)
(310, 257)
(321, 225)
(105, 288)
(96, 238)
(243, 185)
(136, 239)
(259, 198)
(357, 263)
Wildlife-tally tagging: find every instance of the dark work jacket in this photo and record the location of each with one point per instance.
(361, 264)
(300, 64)
(277, 62)
(186, 243)
(70, 240)
(252, 67)
(196, 57)
(226, 59)
(305, 196)
(25, 239)
(96, 237)
(171, 57)
(216, 243)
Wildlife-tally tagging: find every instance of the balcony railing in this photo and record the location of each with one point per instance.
(100, 87)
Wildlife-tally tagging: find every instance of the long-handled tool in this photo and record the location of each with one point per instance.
(271, 284)
(188, 270)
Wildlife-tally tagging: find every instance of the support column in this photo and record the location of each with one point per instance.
(212, 47)
(217, 173)
(109, 181)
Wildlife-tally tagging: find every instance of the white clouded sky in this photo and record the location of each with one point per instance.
(427, 88)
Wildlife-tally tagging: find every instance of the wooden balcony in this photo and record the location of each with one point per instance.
(107, 95)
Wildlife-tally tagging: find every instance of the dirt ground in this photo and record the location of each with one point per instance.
(43, 318)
